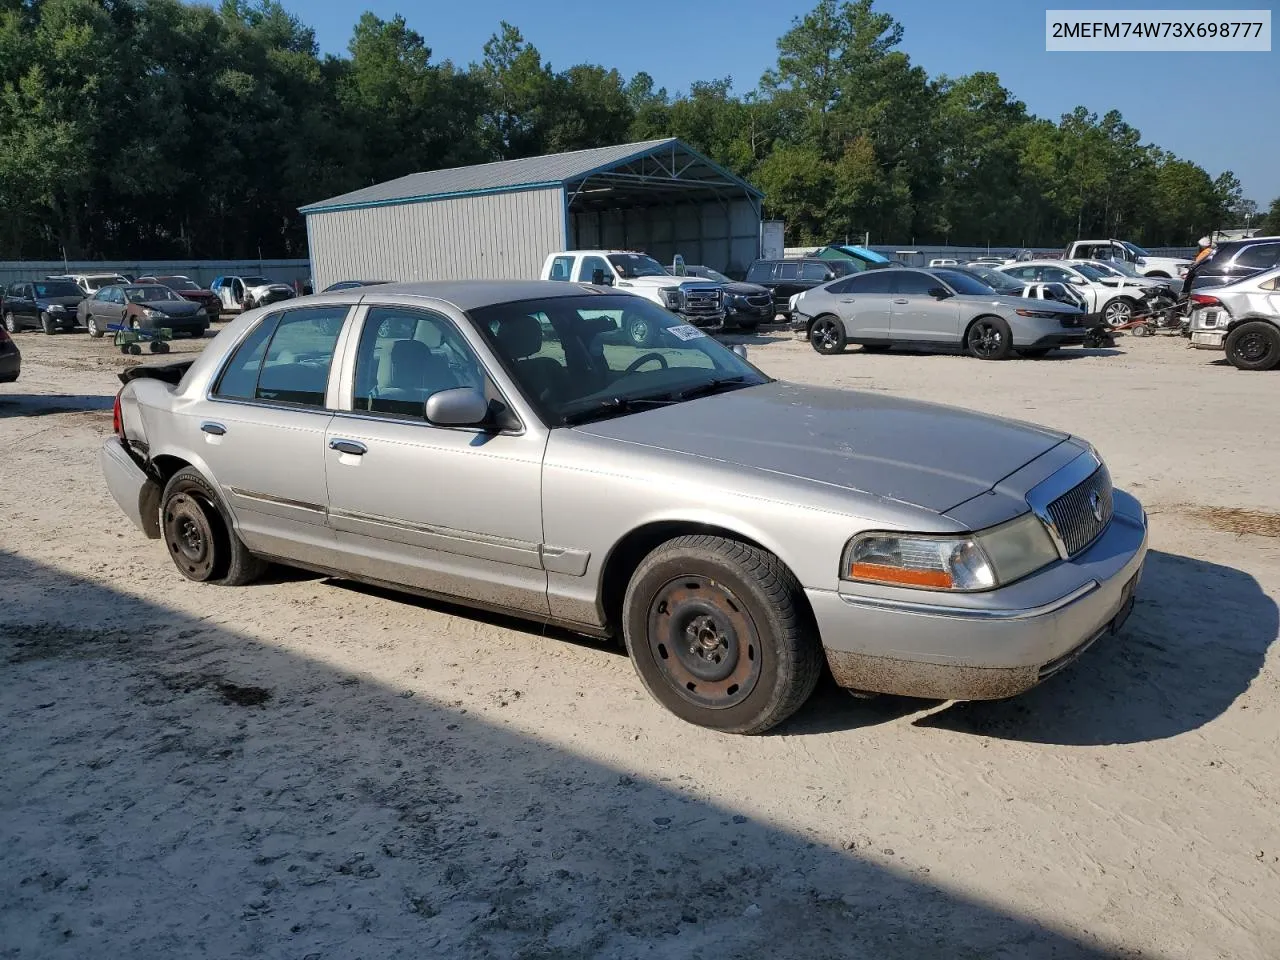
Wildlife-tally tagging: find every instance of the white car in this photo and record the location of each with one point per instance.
(1116, 304)
(1148, 265)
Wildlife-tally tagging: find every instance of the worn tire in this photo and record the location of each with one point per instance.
(11, 323)
(1254, 345)
(210, 551)
(827, 336)
(47, 324)
(989, 338)
(94, 327)
(781, 635)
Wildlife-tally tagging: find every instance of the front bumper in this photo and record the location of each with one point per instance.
(135, 493)
(995, 645)
(176, 324)
(704, 321)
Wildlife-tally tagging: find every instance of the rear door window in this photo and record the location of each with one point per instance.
(814, 271)
(910, 283)
(873, 281)
(1260, 256)
(789, 271)
(561, 268)
(761, 272)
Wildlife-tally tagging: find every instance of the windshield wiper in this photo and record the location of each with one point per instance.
(710, 387)
(611, 407)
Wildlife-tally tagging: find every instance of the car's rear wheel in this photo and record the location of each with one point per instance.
(989, 339)
(11, 322)
(720, 635)
(1254, 346)
(201, 541)
(827, 336)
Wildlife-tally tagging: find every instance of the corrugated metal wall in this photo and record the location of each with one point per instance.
(497, 236)
(724, 237)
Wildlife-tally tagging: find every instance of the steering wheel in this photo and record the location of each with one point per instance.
(639, 362)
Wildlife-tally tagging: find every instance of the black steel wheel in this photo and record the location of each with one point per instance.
(1254, 346)
(827, 336)
(720, 635)
(989, 339)
(200, 540)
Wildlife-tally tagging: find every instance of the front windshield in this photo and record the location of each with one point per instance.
(1123, 267)
(632, 265)
(997, 281)
(178, 283)
(1133, 248)
(150, 294)
(580, 358)
(58, 288)
(716, 276)
(962, 283)
(1093, 273)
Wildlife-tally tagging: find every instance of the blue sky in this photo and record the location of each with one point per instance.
(1221, 110)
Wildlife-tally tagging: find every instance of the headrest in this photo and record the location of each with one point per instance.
(520, 337)
(409, 355)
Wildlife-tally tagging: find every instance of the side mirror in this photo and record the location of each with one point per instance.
(600, 279)
(741, 350)
(939, 293)
(460, 407)
(1079, 281)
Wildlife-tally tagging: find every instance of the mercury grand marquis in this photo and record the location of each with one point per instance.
(505, 445)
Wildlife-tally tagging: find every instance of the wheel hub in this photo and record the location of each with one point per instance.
(1253, 347)
(704, 642)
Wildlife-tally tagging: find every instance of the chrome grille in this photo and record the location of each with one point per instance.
(1081, 515)
(701, 300)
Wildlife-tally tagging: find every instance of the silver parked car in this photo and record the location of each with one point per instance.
(1242, 318)
(880, 308)
(502, 444)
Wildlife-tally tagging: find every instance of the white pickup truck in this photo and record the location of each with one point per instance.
(700, 302)
(1146, 264)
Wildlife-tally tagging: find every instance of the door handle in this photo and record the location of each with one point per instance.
(216, 429)
(846, 299)
(348, 446)
(902, 300)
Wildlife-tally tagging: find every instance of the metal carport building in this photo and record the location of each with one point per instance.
(501, 219)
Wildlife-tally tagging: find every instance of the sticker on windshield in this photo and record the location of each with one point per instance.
(685, 331)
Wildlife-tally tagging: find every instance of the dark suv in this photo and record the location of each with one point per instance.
(786, 278)
(1234, 260)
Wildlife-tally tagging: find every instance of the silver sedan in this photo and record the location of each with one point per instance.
(882, 308)
(1242, 318)
(504, 445)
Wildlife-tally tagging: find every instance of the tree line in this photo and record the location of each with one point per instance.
(155, 128)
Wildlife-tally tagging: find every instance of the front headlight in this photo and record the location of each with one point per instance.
(672, 298)
(55, 308)
(964, 563)
(795, 299)
(201, 312)
(152, 314)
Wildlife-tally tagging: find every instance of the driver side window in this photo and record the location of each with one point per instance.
(405, 356)
(589, 266)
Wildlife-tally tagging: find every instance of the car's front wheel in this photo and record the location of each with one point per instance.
(47, 324)
(94, 328)
(720, 634)
(827, 336)
(1254, 346)
(989, 338)
(11, 322)
(201, 541)
(1117, 312)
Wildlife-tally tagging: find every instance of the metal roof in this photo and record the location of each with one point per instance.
(530, 173)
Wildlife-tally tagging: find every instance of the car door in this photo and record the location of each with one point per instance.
(864, 303)
(1254, 258)
(261, 433)
(449, 510)
(24, 303)
(588, 266)
(916, 314)
(786, 282)
(111, 306)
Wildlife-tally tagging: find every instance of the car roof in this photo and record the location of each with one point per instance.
(472, 294)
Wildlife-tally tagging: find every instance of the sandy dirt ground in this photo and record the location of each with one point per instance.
(305, 768)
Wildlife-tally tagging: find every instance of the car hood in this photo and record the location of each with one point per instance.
(924, 454)
(172, 308)
(61, 301)
(657, 283)
(196, 294)
(740, 289)
(1010, 302)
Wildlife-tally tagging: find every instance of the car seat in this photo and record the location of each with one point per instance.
(520, 339)
(408, 374)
